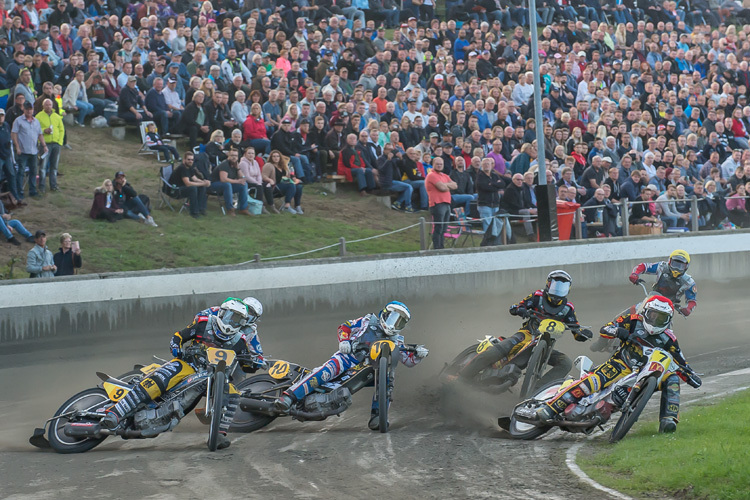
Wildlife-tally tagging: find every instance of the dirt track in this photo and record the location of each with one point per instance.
(428, 453)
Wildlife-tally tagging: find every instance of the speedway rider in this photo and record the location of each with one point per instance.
(650, 328)
(548, 303)
(232, 325)
(355, 338)
(671, 280)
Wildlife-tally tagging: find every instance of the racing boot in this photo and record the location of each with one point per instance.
(124, 408)
(374, 422)
(284, 403)
(667, 425)
(222, 441)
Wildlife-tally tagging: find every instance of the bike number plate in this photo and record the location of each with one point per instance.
(114, 391)
(216, 355)
(377, 348)
(279, 370)
(484, 345)
(552, 327)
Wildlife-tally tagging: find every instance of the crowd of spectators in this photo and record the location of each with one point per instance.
(644, 100)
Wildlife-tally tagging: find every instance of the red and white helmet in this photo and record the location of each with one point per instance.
(657, 312)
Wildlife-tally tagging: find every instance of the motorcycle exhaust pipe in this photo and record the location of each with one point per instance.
(257, 406)
(316, 415)
(584, 424)
(83, 429)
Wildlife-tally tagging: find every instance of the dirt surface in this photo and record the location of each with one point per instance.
(432, 451)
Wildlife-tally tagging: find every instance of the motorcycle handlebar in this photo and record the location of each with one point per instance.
(540, 316)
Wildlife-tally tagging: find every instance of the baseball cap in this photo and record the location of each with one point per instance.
(671, 124)
(119, 174)
(411, 99)
(286, 120)
(558, 56)
(331, 68)
(412, 19)
(338, 123)
(439, 77)
(2, 111)
(28, 105)
(132, 78)
(171, 80)
(472, 54)
(661, 127)
(581, 54)
(607, 159)
(460, 61)
(434, 134)
(404, 25)
(40, 232)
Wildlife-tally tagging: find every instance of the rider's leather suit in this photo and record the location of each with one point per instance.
(508, 348)
(201, 330)
(628, 356)
(361, 332)
(669, 286)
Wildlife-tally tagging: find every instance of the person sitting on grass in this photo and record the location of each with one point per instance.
(8, 225)
(105, 205)
(277, 168)
(135, 205)
(155, 143)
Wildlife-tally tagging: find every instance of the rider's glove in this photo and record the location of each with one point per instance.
(513, 310)
(583, 335)
(421, 351)
(622, 333)
(688, 308)
(516, 310)
(177, 352)
(634, 278)
(345, 347)
(694, 380)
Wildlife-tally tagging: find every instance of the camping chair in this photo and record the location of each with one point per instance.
(453, 230)
(468, 226)
(145, 150)
(168, 190)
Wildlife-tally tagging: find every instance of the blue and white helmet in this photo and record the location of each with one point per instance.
(394, 317)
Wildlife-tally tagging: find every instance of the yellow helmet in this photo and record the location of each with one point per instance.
(679, 261)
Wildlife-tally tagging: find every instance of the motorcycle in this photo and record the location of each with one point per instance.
(628, 395)
(76, 428)
(258, 393)
(504, 374)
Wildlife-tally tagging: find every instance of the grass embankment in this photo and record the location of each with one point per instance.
(181, 241)
(707, 458)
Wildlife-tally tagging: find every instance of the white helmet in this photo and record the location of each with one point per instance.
(232, 317)
(393, 317)
(254, 309)
(657, 314)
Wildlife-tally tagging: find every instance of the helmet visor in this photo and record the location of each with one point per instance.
(394, 321)
(233, 319)
(678, 265)
(658, 319)
(559, 288)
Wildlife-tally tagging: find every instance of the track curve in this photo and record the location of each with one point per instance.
(434, 450)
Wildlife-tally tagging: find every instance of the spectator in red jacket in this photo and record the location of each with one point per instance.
(352, 165)
(105, 206)
(254, 131)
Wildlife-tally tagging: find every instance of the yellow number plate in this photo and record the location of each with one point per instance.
(377, 347)
(115, 392)
(552, 327)
(484, 345)
(215, 355)
(279, 370)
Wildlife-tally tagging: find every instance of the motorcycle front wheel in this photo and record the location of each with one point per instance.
(245, 421)
(535, 369)
(631, 413)
(88, 400)
(383, 394)
(217, 406)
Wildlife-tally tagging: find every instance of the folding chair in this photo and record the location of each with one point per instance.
(168, 190)
(145, 150)
(467, 225)
(453, 230)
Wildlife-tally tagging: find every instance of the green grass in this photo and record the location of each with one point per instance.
(707, 458)
(181, 241)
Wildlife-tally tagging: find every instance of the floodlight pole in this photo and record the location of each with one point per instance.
(545, 194)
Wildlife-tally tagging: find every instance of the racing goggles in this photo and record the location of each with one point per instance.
(394, 321)
(678, 265)
(657, 319)
(233, 319)
(558, 288)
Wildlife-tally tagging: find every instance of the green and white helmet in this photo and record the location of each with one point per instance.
(233, 315)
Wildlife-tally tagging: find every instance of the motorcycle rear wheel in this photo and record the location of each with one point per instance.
(630, 415)
(383, 394)
(217, 405)
(245, 421)
(521, 430)
(90, 399)
(535, 369)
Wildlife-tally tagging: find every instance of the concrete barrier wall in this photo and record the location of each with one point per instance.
(162, 299)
